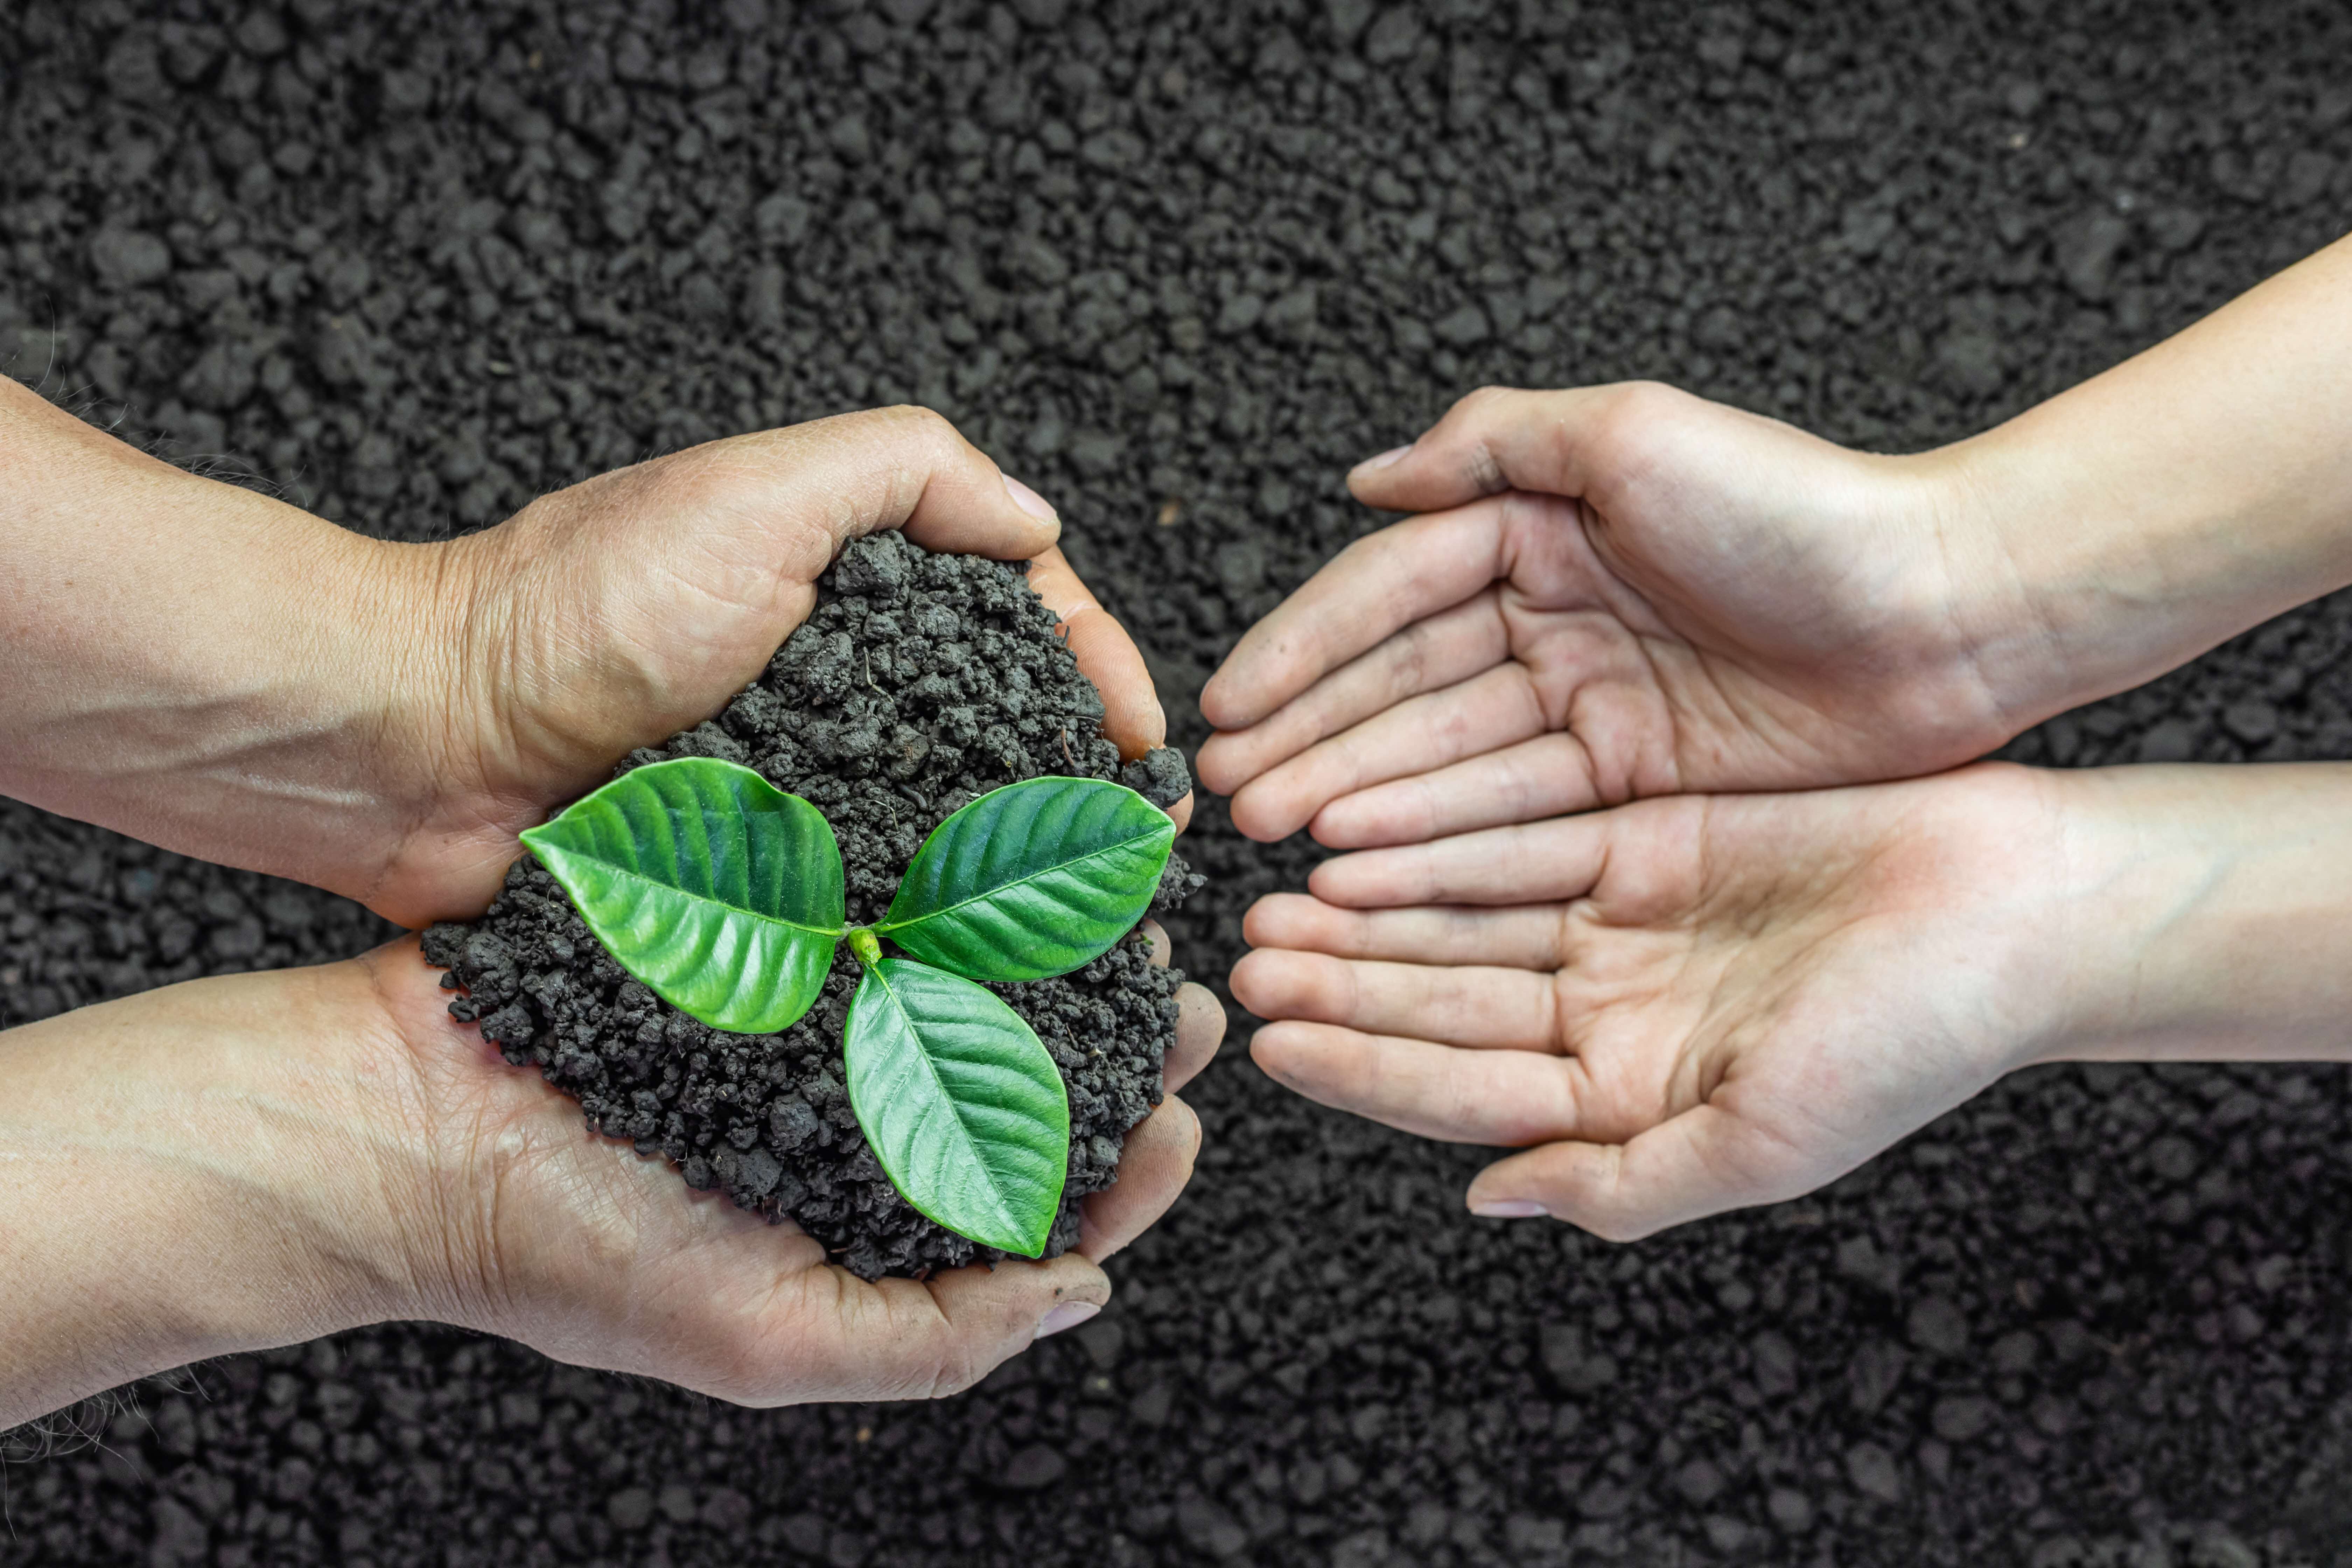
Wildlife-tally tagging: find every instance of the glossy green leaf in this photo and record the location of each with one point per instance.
(1031, 879)
(704, 880)
(961, 1103)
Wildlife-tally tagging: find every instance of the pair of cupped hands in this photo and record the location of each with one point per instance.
(254, 1160)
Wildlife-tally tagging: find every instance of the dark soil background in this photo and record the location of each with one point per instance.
(918, 684)
(1178, 266)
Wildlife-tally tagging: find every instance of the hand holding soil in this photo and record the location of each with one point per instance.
(613, 614)
(1693, 1004)
(218, 672)
(255, 1161)
(244, 1162)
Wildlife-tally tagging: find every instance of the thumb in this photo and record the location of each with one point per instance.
(1502, 438)
(1699, 1163)
(788, 499)
(897, 1339)
(639, 601)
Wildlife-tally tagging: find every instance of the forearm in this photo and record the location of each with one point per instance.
(195, 664)
(189, 1173)
(2205, 912)
(2195, 490)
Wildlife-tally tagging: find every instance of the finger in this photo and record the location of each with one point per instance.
(1529, 863)
(1199, 1020)
(1429, 1091)
(1499, 708)
(1499, 439)
(1200, 1030)
(1132, 716)
(1478, 1007)
(1376, 586)
(1549, 775)
(743, 528)
(1153, 1166)
(848, 1339)
(1533, 937)
(1433, 653)
(1700, 1162)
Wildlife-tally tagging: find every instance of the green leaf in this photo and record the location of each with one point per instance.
(961, 1103)
(1031, 879)
(710, 884)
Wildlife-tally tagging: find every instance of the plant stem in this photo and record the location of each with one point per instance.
(864, 943)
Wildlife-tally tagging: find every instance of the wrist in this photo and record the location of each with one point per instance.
(212, 1168)
(2193, 491)
(2058, 590)
(481, 736)
(2204, 913)
(199, 664)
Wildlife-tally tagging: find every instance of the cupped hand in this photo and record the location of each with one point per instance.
(1614, 592)
(1683, 1006)
(255, 1160)
(613, 614)
(571, 1243)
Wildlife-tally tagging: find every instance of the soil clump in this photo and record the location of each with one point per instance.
(919, 683)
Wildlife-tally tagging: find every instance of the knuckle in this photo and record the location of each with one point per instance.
(913, 436)
(927, 422)
(1479, 400)
(1646, 398)
(1636, 412)
(1605, 1218)
(956, 1370)
(927, 429)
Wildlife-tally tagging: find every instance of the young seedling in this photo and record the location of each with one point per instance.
(723, 895)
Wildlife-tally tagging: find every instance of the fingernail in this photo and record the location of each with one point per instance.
(1030, 501)
(1383, 460)
(1068, 1315)
(1508, 1208)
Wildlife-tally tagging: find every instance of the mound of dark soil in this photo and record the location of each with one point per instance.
(919, 682)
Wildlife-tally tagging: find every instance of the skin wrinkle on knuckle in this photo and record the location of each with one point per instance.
(1466, 1104)
(1600, 1197)
(1347, 1002)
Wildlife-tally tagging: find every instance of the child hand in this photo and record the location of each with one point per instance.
(1614, 592)
(1697, 1004)
(1621, 592)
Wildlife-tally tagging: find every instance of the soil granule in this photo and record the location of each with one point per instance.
(1178, 266)
(919, 683)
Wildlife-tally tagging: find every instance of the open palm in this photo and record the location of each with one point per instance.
(535, 1227)
(1631, 592)
(1685, 1005)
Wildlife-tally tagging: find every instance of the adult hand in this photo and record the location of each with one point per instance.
(214, 671)
(238, 1162)
(613, 614)
(1691, 1004)
(1620, 592)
